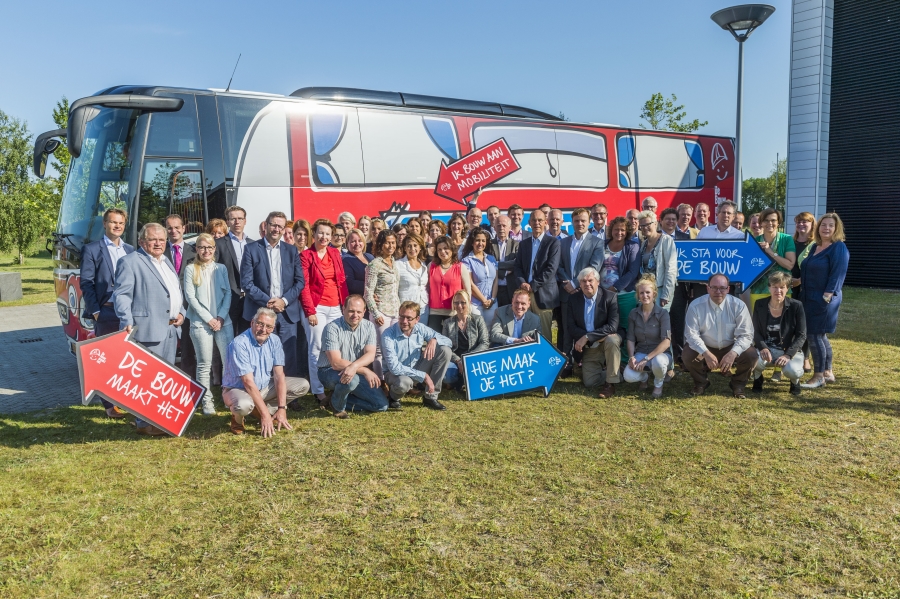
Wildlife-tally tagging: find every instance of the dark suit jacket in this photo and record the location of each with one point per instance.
(98, 276)
(512, 248)
(606, 316)
(190, 252)
(793, 325)
(589, 254)
(226, 255)
(256, 278)
(543, 283)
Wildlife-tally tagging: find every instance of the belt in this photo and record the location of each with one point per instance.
(108, 304)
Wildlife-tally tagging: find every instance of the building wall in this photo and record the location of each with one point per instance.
(864, 172)
(812, 24)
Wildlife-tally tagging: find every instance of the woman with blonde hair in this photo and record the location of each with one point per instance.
(364, 224)
(649, 338)
(467, 332)
(804, 225)
(382, 291)
(413, 273)
(823, 272)
(378, 226)
(208, 294)
(217, 228)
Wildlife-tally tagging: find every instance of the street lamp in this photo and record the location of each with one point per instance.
(741, 21)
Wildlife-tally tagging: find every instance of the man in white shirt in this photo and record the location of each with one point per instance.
(650, 204)
(722, 229)
(718, 335)
(702, 214)
(599, 214)
(554, 224)
(230, 252)
(535, 269)
(516, 214)
(633, 216)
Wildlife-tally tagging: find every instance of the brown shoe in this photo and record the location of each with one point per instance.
(343, 415)
(237, 427)
(150, 430)
(642, 386)
(607, 391)
(255, 413)
(738, 391)
(115, 412)
(700, 388)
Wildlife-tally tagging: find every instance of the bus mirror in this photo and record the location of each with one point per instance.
(84, 110)
(44, 146)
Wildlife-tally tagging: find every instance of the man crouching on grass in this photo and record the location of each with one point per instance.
(253, 381)
(348, 350)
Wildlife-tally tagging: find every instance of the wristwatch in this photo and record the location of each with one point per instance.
(281, 408)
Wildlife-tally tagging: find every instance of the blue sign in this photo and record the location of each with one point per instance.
(512, 369)
(741, 260)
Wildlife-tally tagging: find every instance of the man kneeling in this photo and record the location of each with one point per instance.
(593, 322)
(348, 349)
(254, 381)
(414, 353)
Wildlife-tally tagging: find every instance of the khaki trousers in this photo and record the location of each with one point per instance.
(593, 360)
(241, 404)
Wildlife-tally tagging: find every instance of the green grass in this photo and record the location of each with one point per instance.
(37, 278)
(568, 496)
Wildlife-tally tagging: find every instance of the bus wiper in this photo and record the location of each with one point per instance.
(63, 240)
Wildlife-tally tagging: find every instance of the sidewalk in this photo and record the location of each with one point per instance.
(36, 369)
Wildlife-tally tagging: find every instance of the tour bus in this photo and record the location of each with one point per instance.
(156, 151)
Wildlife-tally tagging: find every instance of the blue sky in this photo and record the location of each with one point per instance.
(596, 61)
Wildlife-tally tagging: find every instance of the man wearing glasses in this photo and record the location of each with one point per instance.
(230, 251)
(272, 278)
(254, 382)
(718, 335)
(415, 354)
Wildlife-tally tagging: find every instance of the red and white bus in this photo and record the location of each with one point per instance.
(155, 151)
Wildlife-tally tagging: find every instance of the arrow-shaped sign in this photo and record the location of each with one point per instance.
(476, 170)
(128, 375)
(512, 368)
(741, 260)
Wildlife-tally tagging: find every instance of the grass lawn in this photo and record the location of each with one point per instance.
(569, 496)
(37, 278)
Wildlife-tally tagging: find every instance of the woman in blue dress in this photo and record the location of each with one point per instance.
(822, 274)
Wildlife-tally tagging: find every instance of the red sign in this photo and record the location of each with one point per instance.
(128, 375)
(476, 170)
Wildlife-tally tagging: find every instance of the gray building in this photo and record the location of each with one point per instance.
(844, 127)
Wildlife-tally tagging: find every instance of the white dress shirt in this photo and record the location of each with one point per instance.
(517, 329)
(172, 286)
(116, 252)
(708, 325)
(274, 255)
(590, 303)
(713, 232)
(573, 254)
(238, 245)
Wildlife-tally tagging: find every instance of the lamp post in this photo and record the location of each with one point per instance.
(741, 21)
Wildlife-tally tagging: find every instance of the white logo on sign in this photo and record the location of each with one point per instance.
(98, 356)
(555, 360)
(719, 160)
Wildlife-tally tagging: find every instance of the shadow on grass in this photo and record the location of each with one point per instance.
(816, 401)
(78, 425)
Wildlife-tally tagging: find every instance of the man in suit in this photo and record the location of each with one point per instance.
(516, 322)
(272, 278)
(599, 214)
(535, 270)
(98, 281)
(577, 252)
(685, 214)
(148, 299)
(180, 254)
(230, 251)
(504, 250)
(593, 324)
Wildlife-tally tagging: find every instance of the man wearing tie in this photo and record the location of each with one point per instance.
(180, 254)
(98, 281)
(577, 252)
(535, 269)
(504, 250)
(272, 278)
(230, 251)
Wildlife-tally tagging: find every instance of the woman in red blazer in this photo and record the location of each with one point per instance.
(322, 296)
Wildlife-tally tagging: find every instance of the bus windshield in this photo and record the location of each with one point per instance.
(99, 178)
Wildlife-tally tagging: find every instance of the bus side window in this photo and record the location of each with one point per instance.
(158, 187)
(335, 147)
(534, 147)
(175, 133)
(188, 202)
(651, 161)
(401, 148)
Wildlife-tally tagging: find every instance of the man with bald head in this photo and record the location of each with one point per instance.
(473, 219)
(535, 269)
(633, 217)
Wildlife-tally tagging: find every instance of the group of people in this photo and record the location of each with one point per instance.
(362, 314)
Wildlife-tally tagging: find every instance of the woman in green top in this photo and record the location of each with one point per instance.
(778, 246)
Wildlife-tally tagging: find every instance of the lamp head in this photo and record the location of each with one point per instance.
(744, 18)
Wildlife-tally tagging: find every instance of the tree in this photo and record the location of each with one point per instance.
(28, 208)
(759, 193)
(61, 157)
(665, 115)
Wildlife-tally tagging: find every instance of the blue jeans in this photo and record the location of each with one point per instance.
(822, 355)
(356, 395)
(453, 377)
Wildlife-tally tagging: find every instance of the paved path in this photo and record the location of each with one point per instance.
(36, 369)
